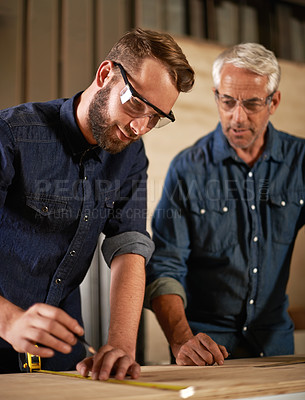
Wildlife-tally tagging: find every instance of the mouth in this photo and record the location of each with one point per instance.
(239, 132)
(125, 137)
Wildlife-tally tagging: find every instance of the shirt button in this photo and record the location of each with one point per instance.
(245, 328)
(255, 239)
(45, 209)
(253, 207)
(86, 218)
(250, 174)
(301, 202)
(72, 253)
(58, 281)
(251, 301)
(202, 211)
(85, 178)
(225, 209)
(283, 203)
(254, 270)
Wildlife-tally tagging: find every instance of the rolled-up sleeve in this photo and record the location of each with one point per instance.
(163, 286)
(127, 242)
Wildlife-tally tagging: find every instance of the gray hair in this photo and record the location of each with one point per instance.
(253, 57)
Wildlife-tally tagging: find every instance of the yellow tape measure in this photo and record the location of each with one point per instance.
(184, 391)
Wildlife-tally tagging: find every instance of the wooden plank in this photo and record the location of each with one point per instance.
(11, 50)
(235, 379)
(77, 46)
(42, 50)
(113, 19)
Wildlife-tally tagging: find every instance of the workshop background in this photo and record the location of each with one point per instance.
(52, 48)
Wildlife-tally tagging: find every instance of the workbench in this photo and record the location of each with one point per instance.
(236, 379)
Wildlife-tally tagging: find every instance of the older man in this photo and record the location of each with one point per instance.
(236, 201)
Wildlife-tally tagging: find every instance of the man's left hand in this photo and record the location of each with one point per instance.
(109, 361)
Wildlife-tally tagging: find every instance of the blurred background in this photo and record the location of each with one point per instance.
(52, 48)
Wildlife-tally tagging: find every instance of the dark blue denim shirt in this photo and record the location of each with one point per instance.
(57, 195)
(224, 234)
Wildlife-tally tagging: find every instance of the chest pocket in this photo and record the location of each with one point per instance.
(48, 213)
(214, 224)
(285, 211)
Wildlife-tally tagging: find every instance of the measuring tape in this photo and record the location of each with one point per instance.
(184, 391)
(32, 363)
(29, 362)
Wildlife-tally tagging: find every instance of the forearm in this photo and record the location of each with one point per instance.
(169, 310)
(126, 300)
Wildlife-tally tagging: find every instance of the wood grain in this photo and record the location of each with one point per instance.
(235, 379)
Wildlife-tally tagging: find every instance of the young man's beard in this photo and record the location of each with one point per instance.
(100, 125)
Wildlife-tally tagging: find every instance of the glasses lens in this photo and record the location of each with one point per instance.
(250, 106)
(138, 109)
(227, 104)
(253, 106)
(125, 94)
(162, 122)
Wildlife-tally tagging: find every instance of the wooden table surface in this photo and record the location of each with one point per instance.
(235, 379)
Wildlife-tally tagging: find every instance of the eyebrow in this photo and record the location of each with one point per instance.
(249, 99)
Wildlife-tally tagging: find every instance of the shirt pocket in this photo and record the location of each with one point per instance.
(49, 213)
(285, 211)
(214, 225)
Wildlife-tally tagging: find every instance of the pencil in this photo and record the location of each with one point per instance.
(90, 348)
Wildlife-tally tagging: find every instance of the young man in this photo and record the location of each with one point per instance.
(237, 201)
(71, 169)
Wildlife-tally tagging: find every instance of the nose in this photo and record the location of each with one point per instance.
(239, 114)
(139, 125)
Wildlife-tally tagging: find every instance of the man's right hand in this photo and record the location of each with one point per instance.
(187, 348)
(200, 350)
(41, 324)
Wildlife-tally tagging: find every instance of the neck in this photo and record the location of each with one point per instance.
(252, 153)
(249, 158)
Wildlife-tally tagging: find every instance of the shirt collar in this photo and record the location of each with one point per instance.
(273, 146)
(76, 140)
(222, 149)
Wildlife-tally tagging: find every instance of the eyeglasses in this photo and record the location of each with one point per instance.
(250, 106)
(131, 99)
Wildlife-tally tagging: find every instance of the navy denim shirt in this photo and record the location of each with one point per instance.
(224, 235)
(57, 194)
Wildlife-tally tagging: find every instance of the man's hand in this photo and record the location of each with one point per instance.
(40, 324)
(109, 361)
(187, 348)
(200, 350)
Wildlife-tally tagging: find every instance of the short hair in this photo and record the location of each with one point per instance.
(138, 44)
(253, 57)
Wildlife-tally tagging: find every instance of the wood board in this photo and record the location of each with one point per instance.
(235, 379)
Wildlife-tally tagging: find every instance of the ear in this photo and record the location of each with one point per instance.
(276, 99)
(214, 93)
(103, 72)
